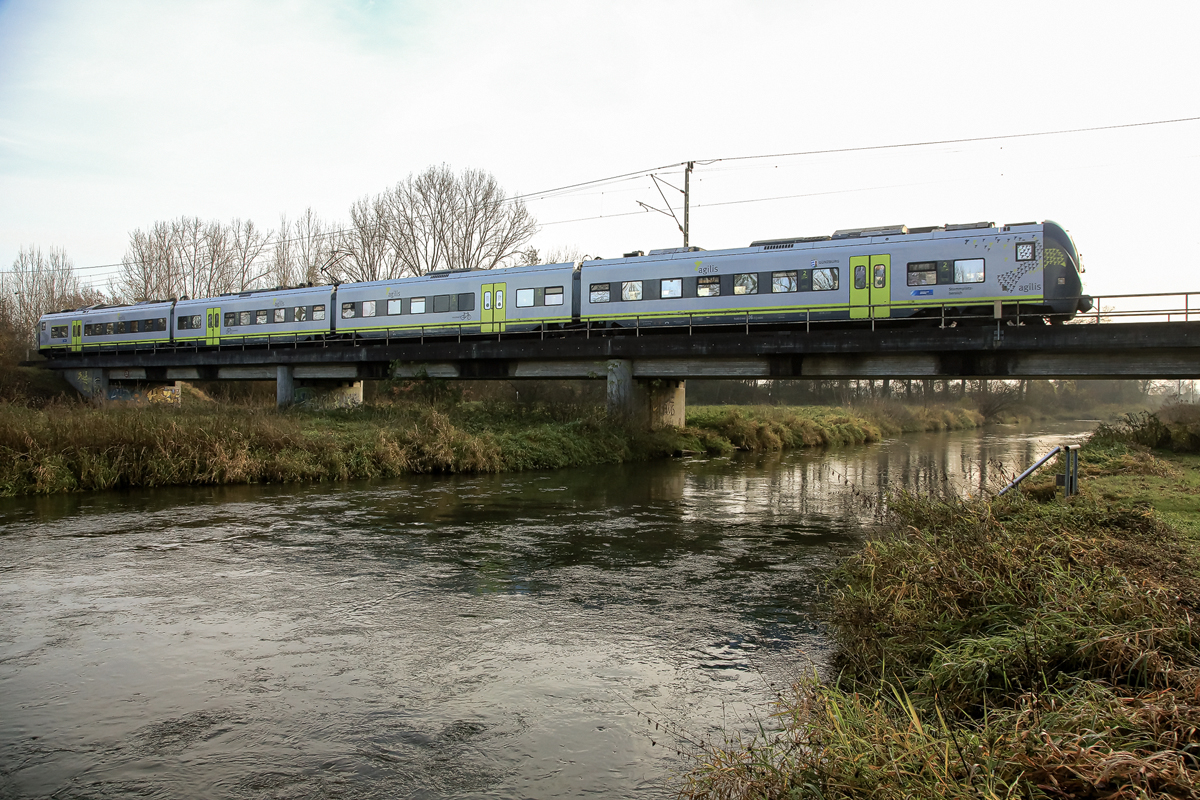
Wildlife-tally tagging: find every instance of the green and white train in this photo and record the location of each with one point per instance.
(952, 274)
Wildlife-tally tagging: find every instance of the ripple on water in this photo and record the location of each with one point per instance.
(533, 635)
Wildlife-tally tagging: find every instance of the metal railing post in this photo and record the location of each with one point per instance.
(1030, 471)
(1071, 474)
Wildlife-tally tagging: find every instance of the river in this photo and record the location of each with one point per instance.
(542, 634)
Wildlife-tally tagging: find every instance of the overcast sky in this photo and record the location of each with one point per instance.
(116, 114)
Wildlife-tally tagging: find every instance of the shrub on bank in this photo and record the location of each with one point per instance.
(74, 447)
(996, 649)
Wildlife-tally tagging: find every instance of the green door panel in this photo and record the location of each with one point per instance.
(860, 286)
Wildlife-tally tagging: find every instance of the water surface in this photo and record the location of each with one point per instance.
(526, 635)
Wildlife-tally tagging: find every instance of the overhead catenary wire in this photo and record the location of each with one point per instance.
(628, 176)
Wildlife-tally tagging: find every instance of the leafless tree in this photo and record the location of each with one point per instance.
(439, 220)
(531, 256)
(313, 245)
(364, 251)
(191, 257)
(248, 244)
(41, 282)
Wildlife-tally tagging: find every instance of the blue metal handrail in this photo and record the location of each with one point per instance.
(1069, 480)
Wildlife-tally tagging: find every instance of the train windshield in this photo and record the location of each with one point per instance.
(1060, 250)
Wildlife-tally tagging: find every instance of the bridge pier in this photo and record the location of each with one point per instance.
(91, 383)
(653, 403)
(285, 385)
(328, 393)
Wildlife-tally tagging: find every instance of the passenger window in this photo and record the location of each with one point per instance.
(860, 276)
(671, 287)
(347, 310)
(554, 295)
(441, 303)
(368, 309)
(244, 318)
(395, 307)
(880, 276)
(466, 302)
(708, 286)
(417, 306)
(746, 283)
(134, 327)
(631, 290)
(280, 314)
(120, 327)
(230, 319)
(196, 322)
(969, 270)
(108, 329)
(260, 317)
(318, 312)
(784, 281)
(824, 279)
(922, 273)
(599, 293)
(300, 314)
(524, 298)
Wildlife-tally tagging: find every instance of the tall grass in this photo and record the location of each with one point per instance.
(995, 649)
(74, 447)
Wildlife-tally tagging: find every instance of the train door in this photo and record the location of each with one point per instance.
(76, 335)
(870, 293)
(860, 293)
(493, 313)
(881, 292)
(212, 330)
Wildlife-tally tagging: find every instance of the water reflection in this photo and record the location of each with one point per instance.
(501, 635)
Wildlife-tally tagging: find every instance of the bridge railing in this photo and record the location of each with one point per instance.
(1106, 309)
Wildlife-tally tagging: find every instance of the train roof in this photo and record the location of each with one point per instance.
(108, 307)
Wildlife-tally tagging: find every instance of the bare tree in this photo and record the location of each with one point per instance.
(41, 282)
(248, 244)
(364, 250)
(531, 256)
(193, 258)
(283, 269)
(439, 220)
(312, 247)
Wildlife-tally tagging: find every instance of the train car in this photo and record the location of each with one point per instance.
(452, 301)
(103, 327)
(255, 317)
(958, 271)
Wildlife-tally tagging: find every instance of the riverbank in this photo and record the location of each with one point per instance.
(1008, 648)
(73, 447)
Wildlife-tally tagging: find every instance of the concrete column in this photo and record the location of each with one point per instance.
(285, 386)
(653, 404)
(329, 394)
(667, 404)
(91, 383)
(626, 399)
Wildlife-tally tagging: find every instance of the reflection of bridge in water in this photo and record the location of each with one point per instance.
(1127, 336)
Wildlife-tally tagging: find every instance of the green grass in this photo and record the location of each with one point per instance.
(1005, 648)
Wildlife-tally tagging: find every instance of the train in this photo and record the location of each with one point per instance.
(1027, 273)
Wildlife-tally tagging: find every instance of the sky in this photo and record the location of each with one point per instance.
(117, 114)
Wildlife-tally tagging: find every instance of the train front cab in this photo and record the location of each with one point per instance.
(1063, 288)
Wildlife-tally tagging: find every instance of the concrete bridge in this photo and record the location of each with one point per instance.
(646, 370)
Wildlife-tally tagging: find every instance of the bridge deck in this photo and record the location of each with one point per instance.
(1165, 350)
